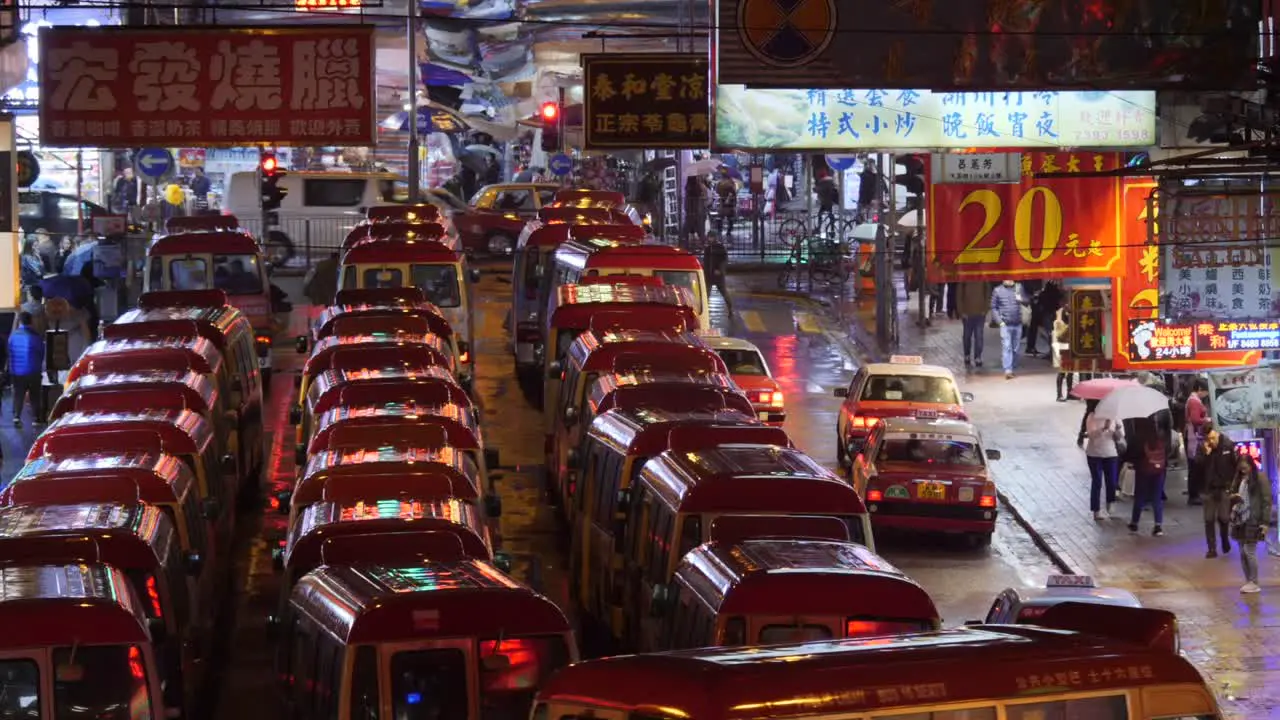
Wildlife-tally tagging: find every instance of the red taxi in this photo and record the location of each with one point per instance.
(140, 541)
(77, 641)
(1089, 662)
(928, 475)
(571, 310)
(750, 372)
(902, 387)
(600, 254)
(768, 591)
(409, 382)
(456, 640)
(496, 213)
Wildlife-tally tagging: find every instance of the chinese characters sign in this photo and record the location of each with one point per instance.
(1136, 289)
(1245, 399)
(970, 168)
(1219, 263)
(835, 120)
(1087, 321)
(132, 87)
(1063, 227)
(1098, 45)
(1153, 341)
(645, 101)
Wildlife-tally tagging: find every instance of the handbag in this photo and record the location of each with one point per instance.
(1117, 436)
(1240, 512)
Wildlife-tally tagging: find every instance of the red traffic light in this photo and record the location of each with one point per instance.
(270, 164)
(550, 111)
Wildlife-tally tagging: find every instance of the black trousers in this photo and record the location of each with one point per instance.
(25, 386)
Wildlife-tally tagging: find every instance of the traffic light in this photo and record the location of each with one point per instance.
(272, 193)
(913, 178)
(551, 124)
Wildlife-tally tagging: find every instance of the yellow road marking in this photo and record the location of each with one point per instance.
(808, 324)
(752, 321)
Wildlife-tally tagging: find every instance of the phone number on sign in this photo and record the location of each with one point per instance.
(1111, 137)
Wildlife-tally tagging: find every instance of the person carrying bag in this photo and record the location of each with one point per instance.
(1250, 513)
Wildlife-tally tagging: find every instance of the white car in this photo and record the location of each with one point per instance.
(1014, 607)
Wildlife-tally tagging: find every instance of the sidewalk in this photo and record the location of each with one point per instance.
(1043, 481)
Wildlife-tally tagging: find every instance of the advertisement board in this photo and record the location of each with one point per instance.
(645, 100)
(1145, 345)
(207, 86)
(1245, 399)
(839, 120)
(1219, 263)
(1040, 227)
(1100, 45)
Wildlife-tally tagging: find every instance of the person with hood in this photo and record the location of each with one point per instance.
(1250, 514)
(1007, 302)
(1218, 454)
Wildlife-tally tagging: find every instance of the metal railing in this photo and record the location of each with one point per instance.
(295, 244)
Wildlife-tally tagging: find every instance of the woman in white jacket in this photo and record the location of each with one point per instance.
(1103, 445)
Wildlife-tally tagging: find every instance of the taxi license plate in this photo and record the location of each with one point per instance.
(931, 491)
(764, 416)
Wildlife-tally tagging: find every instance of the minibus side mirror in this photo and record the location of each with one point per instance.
(491, 458)
(993, 454)
(624, 501)
(194, 563)
(572, 458)
(277, 559)
(159, 633)
(295, 415)
(474, 274)
(300, 344)
(300, 455)
(502, 561)
(619, 535)
(493, 505)
(283, 499)
(228, 464)
(211, 509)
(966, 396)
(570, 416)
(272, 628)
(841, 392)
(231, 420)
(496, 662)
(660, 600)
(297, 382)
(554, 370)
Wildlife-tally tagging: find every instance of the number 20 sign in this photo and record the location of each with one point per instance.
(1042, 227)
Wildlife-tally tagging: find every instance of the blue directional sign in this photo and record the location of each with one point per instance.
(153, 164)
(560, 164)
(840, 163)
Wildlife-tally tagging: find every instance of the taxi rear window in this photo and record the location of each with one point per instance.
(911, 388)
(935, 451)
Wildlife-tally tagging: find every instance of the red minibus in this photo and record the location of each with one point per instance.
(575, 260)
(175, 354)
(401, 319)
(403, 229)
(413, 213)
(768, 591)
(409, 382)
(203, 223)
(76, 643)
(1091, 661)
(456, 640)
(674, 391)
(140, 541)
(394, 419)
(614, 449)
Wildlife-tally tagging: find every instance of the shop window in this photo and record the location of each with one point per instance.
(332, 192)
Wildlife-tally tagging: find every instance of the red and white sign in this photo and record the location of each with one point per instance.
(207, 86)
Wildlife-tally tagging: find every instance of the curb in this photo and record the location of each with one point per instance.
(864, 347)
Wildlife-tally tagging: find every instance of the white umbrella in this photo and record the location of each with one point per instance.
(484, 149)
(912, 219)
(1135, 401)
(702, 167)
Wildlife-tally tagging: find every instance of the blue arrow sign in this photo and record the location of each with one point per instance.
(153, 163)
(840, 163)
(560, 164)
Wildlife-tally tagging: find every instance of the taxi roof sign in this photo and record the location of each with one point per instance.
(1078, 581)
(906, 360)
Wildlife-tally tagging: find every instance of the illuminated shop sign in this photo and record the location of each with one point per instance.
(1152, 341)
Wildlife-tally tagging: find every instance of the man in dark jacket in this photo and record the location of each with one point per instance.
(1218, 456)
(26, 362)
(715, 261)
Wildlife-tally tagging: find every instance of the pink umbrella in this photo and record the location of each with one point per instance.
(1100, 388)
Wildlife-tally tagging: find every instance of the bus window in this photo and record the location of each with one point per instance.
(439, 282)
(157, 274)
(979, 713)
(778, 634)
(532, 273)
(687, 279)
(1107, 707)
(237, 274)
(19, 689)
(383, 278)
(690, 534)
(735, 631)
(507, 690)
(188, 274)
(364, 684)
(429, 685)
(102, 682)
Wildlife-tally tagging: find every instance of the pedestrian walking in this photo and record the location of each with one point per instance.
(321, 284)
(828, 200)
(1197, 422)
(695, 210)
(727, 190)
(1007, 303)
(1250, 513)
(201, 185)
(971, 303)
(1220, 461)
(1061, 340)
(715, 262)
(1104, 444)
(1150, 464)
(26, 364)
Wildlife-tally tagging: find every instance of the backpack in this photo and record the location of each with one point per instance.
(1154, 457)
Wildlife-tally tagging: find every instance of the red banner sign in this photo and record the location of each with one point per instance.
(1063, 227)
(1141, 341)
(207, 86)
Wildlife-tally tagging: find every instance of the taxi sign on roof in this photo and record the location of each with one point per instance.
(906, 360)
(1080, 581)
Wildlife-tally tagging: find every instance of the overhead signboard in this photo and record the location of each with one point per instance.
(1103, 45)
(645, 101)
(1137, 307)
(1088, 324)
(1153, 340)
(1039, 227)
(207, 86)
(844, 119)
(977, 168)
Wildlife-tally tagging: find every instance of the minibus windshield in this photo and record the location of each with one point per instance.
(100, 682)
(439, 283)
